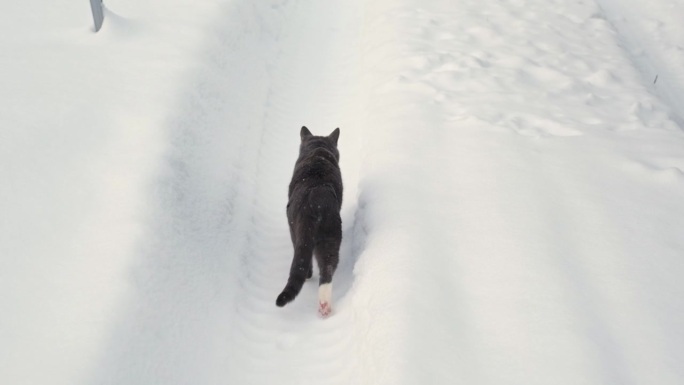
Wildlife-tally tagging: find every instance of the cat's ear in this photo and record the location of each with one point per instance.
(305, 132)
(335, 135)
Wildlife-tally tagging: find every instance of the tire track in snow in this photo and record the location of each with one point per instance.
(291, 345)
(178, 317)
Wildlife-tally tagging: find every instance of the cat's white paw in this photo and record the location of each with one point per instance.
(324, 309)
(325, 299)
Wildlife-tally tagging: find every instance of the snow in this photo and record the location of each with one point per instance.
(512, 209)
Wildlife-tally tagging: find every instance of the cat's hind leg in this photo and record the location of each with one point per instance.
(327, 258)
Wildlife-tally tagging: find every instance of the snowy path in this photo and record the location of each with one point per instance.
(222, 250)
(512, 209)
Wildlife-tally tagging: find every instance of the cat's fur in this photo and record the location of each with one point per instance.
(313, 212)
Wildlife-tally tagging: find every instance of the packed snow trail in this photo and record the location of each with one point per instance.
(512, 209)
(221, 248)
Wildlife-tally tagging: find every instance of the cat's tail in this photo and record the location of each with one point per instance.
(291, 290)
(289, 293)
(299, 272)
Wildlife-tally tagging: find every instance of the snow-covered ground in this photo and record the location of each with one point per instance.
(513, 206)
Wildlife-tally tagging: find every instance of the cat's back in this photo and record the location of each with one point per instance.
(316, 168)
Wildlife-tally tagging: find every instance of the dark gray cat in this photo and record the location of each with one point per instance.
(313, 211)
